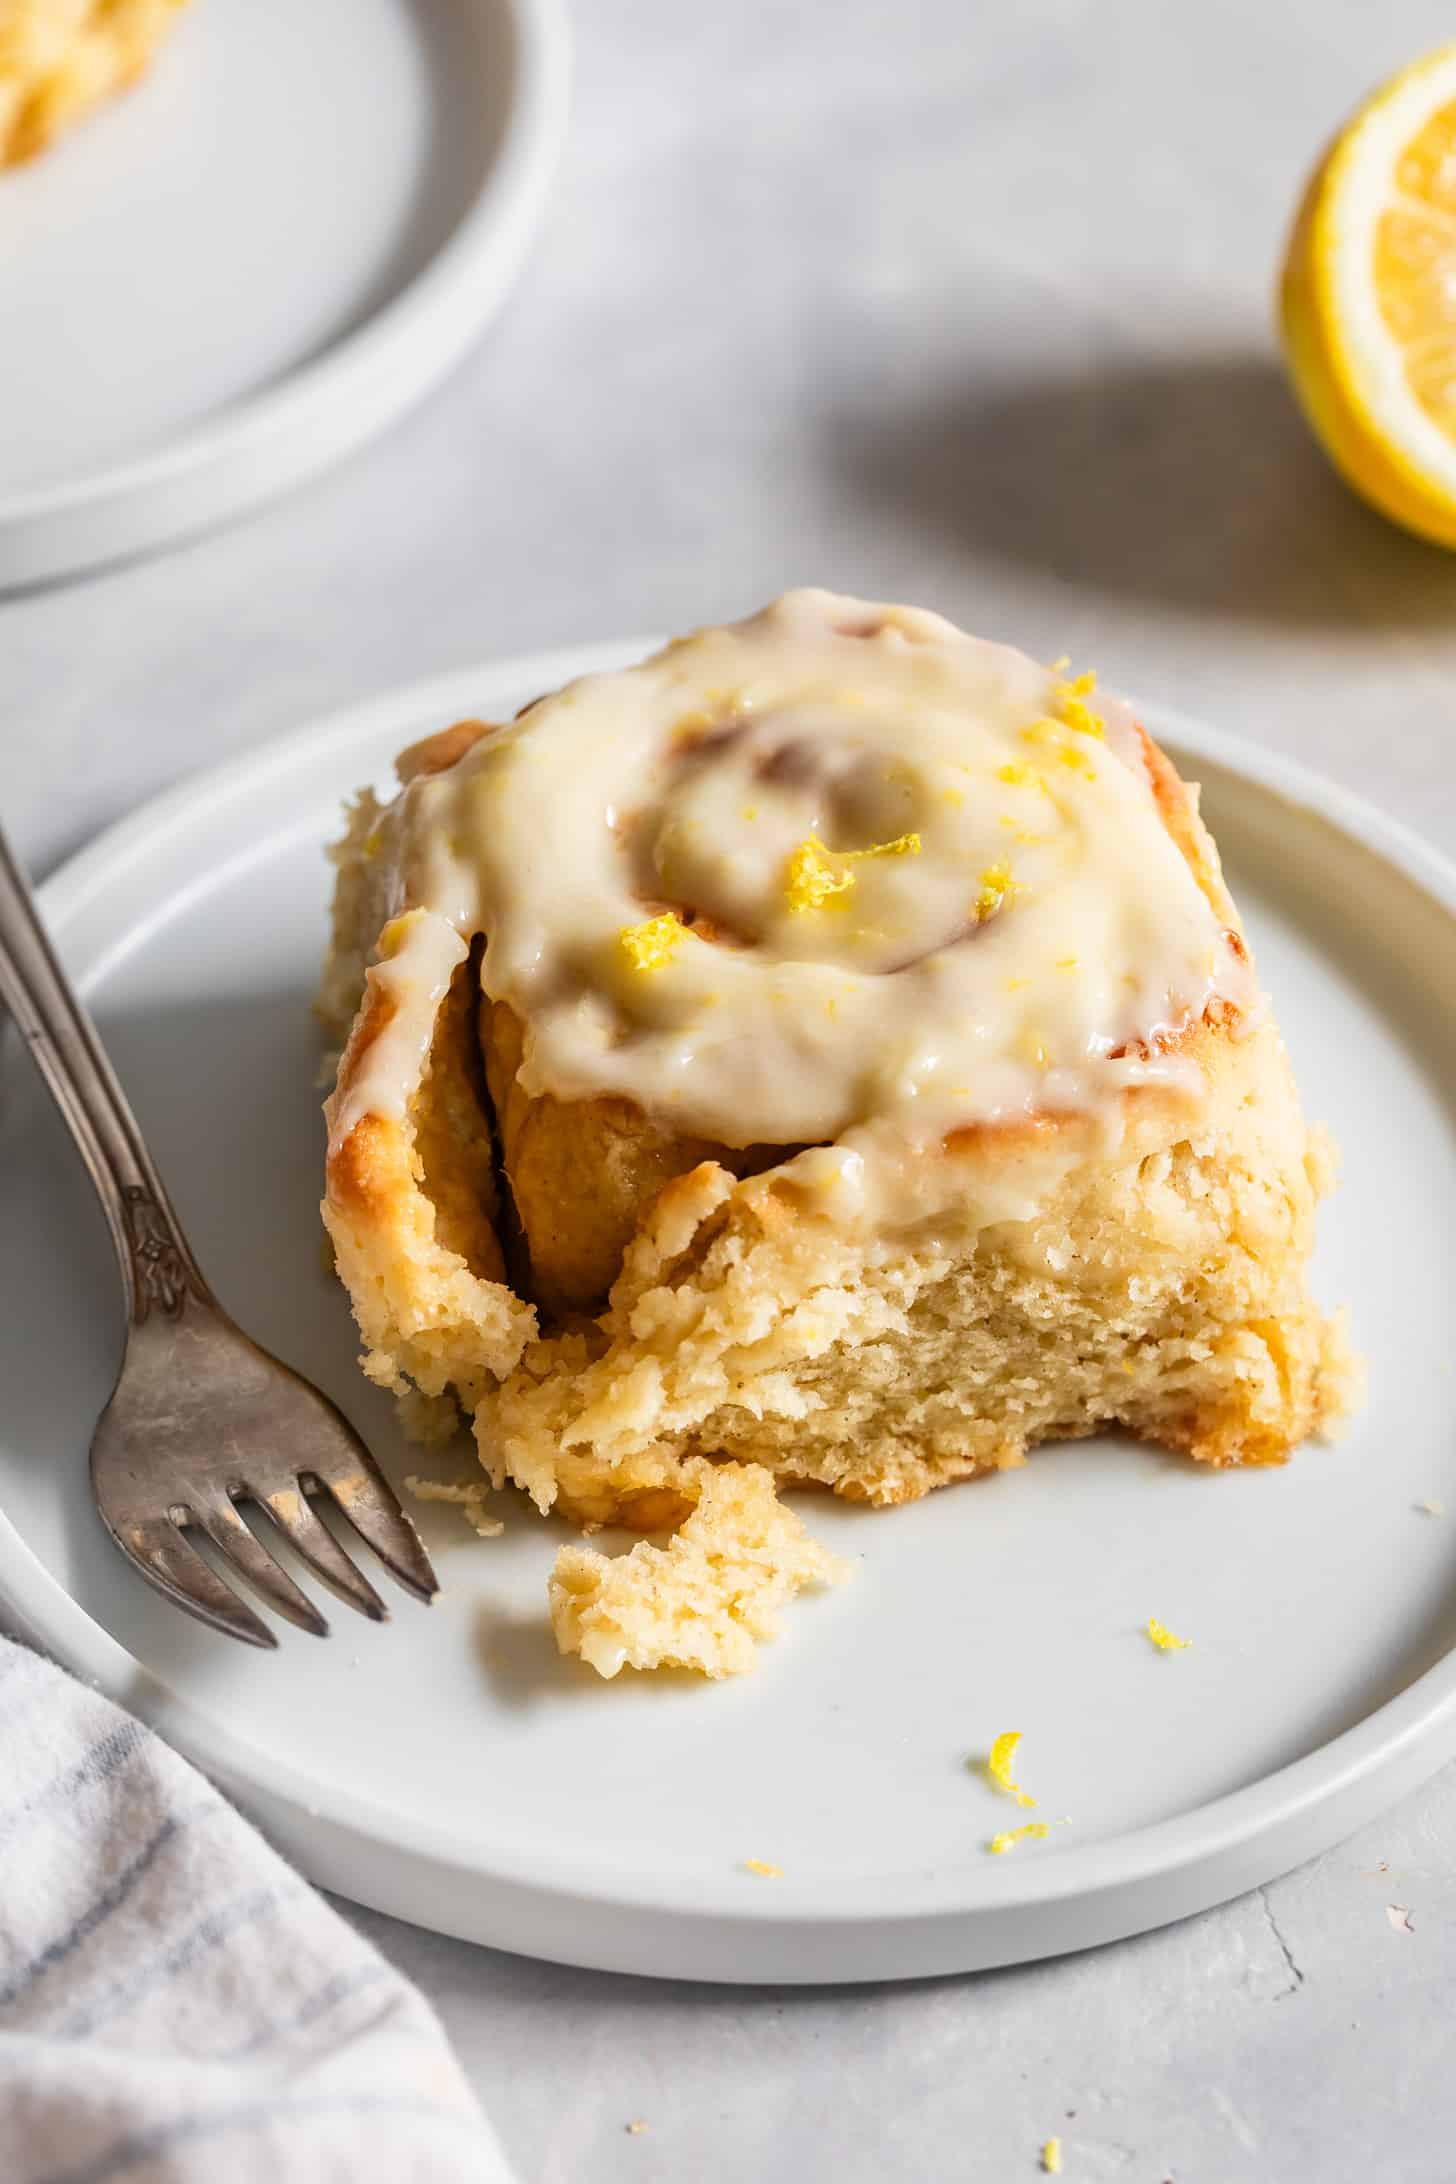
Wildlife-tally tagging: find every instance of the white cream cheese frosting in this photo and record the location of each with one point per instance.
(836, 871)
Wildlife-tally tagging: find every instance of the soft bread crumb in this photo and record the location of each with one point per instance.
(427, 1420)
(471, 1499)
(1161, 1288)
(1343, 1376)
(703, 1600)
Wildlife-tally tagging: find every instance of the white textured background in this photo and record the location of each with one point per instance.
(968, 305)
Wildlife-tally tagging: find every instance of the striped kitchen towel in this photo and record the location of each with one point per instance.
(175, 2002)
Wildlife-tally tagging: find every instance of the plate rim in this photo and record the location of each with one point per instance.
(290, 430)
(568, 1906)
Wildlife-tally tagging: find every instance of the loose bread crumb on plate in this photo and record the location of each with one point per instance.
(703, 1600)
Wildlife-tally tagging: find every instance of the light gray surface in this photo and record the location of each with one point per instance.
(968, 306)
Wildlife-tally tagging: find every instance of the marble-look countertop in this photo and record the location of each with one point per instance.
(969, 306)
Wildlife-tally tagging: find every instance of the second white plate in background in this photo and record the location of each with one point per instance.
(251, 262)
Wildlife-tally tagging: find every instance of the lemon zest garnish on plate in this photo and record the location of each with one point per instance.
(765, 1871)
(1051, 2157)
(811, 880)
(649, 945)
(999, 1763)
(1165, 1640)
(1010, 1837)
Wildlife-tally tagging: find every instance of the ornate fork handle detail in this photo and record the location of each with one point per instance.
(157, 1265)
(163, 1274)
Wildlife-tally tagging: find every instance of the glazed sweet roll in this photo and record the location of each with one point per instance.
(831, 1046)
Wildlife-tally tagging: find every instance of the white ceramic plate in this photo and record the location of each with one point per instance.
(450, 1769)
(250, 263)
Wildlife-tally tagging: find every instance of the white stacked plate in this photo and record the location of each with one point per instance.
(250, 263)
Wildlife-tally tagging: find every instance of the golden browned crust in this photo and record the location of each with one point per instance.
(411, 1207)
(583, 1173)
(439, 752)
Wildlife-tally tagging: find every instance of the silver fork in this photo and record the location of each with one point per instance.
(200, 1418)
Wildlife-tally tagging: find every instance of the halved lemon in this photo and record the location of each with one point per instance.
(1368, 299)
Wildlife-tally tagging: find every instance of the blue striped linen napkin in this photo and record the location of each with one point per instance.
(176, 2003)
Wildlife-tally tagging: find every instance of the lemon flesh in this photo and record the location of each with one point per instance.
(1368, 299)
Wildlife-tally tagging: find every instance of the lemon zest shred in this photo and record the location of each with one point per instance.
(762, 1867)
(649, 945)
(1010, 1837)
(1077, 714)
(1001, 1760)
(811, 880)
(1051, 2157)
(997, 888)
(1165, 1640)
(904, 845)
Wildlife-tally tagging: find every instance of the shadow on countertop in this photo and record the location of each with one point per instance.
(1192, 483)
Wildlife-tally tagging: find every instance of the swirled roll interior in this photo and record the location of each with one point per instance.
(829, 1045)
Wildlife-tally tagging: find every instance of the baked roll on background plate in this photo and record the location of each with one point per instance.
(827, 1047)
(61, 58)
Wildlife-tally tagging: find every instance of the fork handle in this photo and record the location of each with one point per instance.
(158, 1270)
